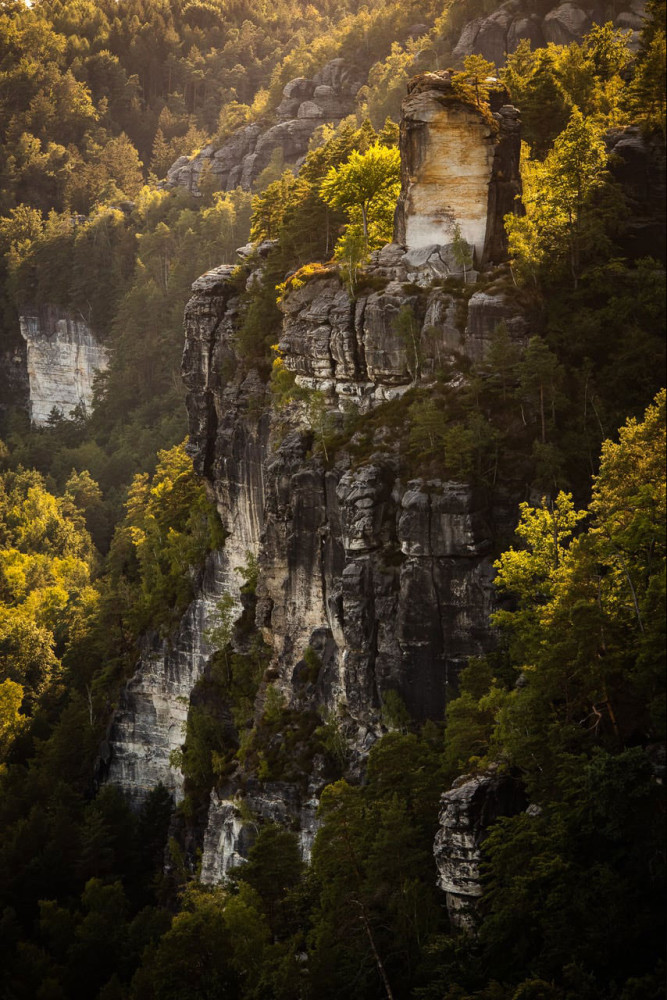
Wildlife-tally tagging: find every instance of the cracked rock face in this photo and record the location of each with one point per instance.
(149, 723)
(387, 580)
(393, 578)
(62, 359)
(356, 351)
(459, 169)
(467, 811)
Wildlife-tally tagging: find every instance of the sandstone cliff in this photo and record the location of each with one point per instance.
(460, 170)
(380, 576)
(63, 356)
(467, 811)
(386, 579)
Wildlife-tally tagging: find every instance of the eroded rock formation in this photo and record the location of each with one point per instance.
(459, 168)
(384, 576)
(467, 811)
(306, 104)
(637, 163)
(63, 356)
(498, 34)
(149, 723)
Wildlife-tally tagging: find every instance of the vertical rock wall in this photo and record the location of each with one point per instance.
(149, 723)
(459, 167)
(386, 578)
(63, 356)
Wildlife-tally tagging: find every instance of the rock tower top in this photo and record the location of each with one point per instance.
(460, 168)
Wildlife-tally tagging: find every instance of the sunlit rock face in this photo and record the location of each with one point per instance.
(460, 170)
(385, 577)
(63, 357)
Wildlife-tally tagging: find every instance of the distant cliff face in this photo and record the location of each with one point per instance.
(307, 104)
(63, 356)
(460, 170)
(542, 22)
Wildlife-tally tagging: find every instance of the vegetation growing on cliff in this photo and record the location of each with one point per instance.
(96, 99)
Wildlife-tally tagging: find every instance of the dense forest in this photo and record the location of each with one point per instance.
(105, 528)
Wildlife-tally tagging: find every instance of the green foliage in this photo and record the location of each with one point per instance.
(565, 218)
(550, 83)
(368, 182)
(169, 527)
(394, 711)
(47, 566)
(477, 81)
(573, 700)
(375, 902)
(274, 870)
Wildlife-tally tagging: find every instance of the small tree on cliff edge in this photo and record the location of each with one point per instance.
(369, 182)
(477, 79)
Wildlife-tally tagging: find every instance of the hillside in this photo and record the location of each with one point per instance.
(332, 500)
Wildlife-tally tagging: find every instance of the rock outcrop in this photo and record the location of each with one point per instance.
(459, 169)
(467, 811)
(383, 576)
(306, 104)
(498, 34)
(355, 350)
(14, 384)
(63, 356)
(149, 723)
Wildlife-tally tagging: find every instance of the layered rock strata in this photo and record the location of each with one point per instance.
(467, 811)
(327, 537)
(384, 578)
(62, 358)
(387, 580)
(459, 170)
(356, 350)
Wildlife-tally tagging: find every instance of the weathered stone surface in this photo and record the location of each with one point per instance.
(306, 105)
(498, 34)
(356, 352)
(459, 170)
(467, 811)
(228, 837)
(153, 709)
(63, 356)
(389, 582)
(567, 23)
(486, 311)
